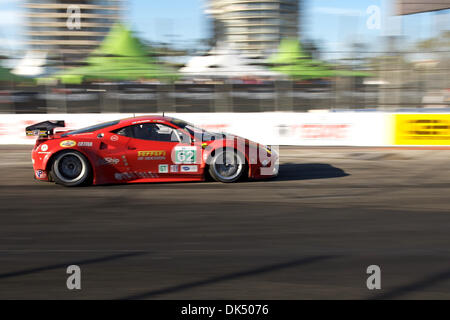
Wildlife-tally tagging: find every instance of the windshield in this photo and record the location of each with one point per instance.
(92, 128)
(199, 134)
(203, 135)
(194, 130)
(187, 126)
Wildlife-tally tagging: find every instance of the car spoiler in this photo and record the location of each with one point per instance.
(44, 129)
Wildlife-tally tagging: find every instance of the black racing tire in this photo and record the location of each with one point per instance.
(227, 165)
(71, 169)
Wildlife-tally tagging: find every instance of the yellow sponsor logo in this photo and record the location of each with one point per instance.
(154, 153)
(41, 133)
(422, 129)
(68, 144)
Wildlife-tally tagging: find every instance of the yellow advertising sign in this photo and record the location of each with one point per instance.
(422, 129)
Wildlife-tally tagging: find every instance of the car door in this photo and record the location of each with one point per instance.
(157, 150)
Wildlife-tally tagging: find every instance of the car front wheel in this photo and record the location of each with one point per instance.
(227, 165)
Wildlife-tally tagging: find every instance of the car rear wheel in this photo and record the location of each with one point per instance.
(71, 169)
(227, 165)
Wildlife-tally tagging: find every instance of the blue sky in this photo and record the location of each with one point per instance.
(333, 23)
(168, 20)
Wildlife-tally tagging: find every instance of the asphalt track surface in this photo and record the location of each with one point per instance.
(309, 234)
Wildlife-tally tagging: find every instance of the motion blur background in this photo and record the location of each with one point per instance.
(349, 81)
(136, 56)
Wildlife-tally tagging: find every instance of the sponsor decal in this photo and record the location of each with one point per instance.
(114, 138)
(163, 168)
(141, 121)
(174, 168)
(315, 131)
(135, 175)
(422, 129)
(68, 144)
(44, 147)
(125, 161)
(85, 144)
(151, 158)
(189, 168)
(40, 133)
(152, 175)
(112, 161)
(185, 154)
(32, 133)
(40, 174)
(152, 155)
(324, 131)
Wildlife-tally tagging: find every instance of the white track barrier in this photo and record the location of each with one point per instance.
(297, 129)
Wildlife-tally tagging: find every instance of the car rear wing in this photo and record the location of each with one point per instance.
(44, 129)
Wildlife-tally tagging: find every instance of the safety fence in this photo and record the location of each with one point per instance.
(279, 96)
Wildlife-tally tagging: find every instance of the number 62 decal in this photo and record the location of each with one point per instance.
(185, 155)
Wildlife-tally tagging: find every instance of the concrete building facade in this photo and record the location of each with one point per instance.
(69, 29)
(255, 27)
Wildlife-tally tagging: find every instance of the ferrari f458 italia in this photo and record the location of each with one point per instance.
(145, 149)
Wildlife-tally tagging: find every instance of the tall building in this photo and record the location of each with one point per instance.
(417, 6)
(69, 29)
(254, 27)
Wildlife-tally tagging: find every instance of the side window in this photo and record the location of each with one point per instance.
(126, 132)
(154, 132)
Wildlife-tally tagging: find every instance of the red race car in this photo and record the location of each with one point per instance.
(145, 149)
